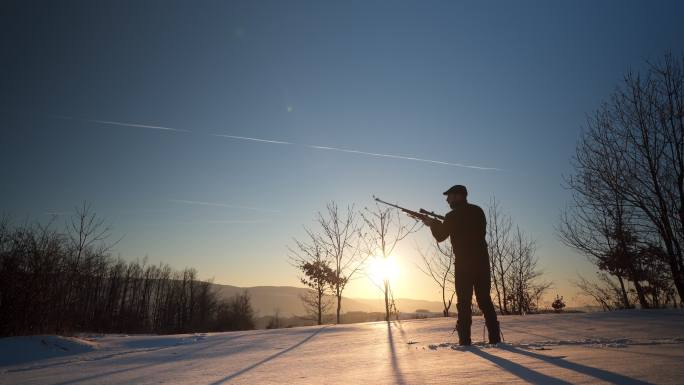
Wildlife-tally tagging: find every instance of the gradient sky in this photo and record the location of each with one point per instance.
(502, 85)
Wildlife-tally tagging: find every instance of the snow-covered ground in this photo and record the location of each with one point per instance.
(628, 347)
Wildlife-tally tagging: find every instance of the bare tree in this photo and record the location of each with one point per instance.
(275, 321)
(629, 176)
(514, 270)
(340, 236)
(660, 288)
(86, 229)
(237, 313)
(501, 251)
(438, 264)
(319, 277)
(384, 231)
(312, 258)
(85, 232)
(603, 290)
(593, 226)
(526, 289)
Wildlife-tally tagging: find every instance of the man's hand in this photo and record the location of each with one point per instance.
(429, 222)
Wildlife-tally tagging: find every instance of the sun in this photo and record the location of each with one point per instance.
(382, 269)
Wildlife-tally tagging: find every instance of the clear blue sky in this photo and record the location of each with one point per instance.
(500, 84)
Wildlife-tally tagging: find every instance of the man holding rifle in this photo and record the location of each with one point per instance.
(466, 225)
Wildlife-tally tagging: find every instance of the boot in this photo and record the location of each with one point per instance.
(494, 332)
(463, 334)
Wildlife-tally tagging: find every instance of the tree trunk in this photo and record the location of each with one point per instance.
(320, 307)
(678, 278)
(639, 289)
(675, 265)
(625, 299)
(503, 289)
(387, 305)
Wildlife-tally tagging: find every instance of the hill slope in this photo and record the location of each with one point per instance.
(266, 299)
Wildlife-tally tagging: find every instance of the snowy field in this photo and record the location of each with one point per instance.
(628, 347)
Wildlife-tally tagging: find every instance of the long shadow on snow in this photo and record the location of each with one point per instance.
(526, 374)
(269, 358)
(600, 374)
(398, 377)
(156, 360)
(140, 350)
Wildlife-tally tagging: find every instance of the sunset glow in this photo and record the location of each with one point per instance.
(381, 269)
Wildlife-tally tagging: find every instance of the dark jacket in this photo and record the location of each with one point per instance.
(466, 224)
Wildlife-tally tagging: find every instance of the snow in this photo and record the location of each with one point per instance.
(16, 350)
(626, 347)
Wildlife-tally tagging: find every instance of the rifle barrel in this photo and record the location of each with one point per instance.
(389, 204)
(412, 213)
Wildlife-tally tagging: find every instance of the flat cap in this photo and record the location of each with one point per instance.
(457, 189)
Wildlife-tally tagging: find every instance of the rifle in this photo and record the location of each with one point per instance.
(420, 214)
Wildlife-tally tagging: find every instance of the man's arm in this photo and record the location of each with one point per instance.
(440, 230)
(483, 222)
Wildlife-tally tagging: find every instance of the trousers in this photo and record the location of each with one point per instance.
(478, 279)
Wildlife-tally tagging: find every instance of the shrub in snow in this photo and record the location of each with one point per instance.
(558, 304)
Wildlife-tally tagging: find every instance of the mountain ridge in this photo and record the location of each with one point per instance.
(266, 300)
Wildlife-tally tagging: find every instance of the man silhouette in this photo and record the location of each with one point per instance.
(466, 225)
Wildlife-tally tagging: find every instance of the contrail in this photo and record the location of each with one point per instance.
(327, 148)
(124, 124)
(237, 221)
(212, 222)
(403, 157)
(253, 139)
(58, 213)
(218, 204)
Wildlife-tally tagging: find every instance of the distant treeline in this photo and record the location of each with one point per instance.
(54, 281)
(277, 321)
